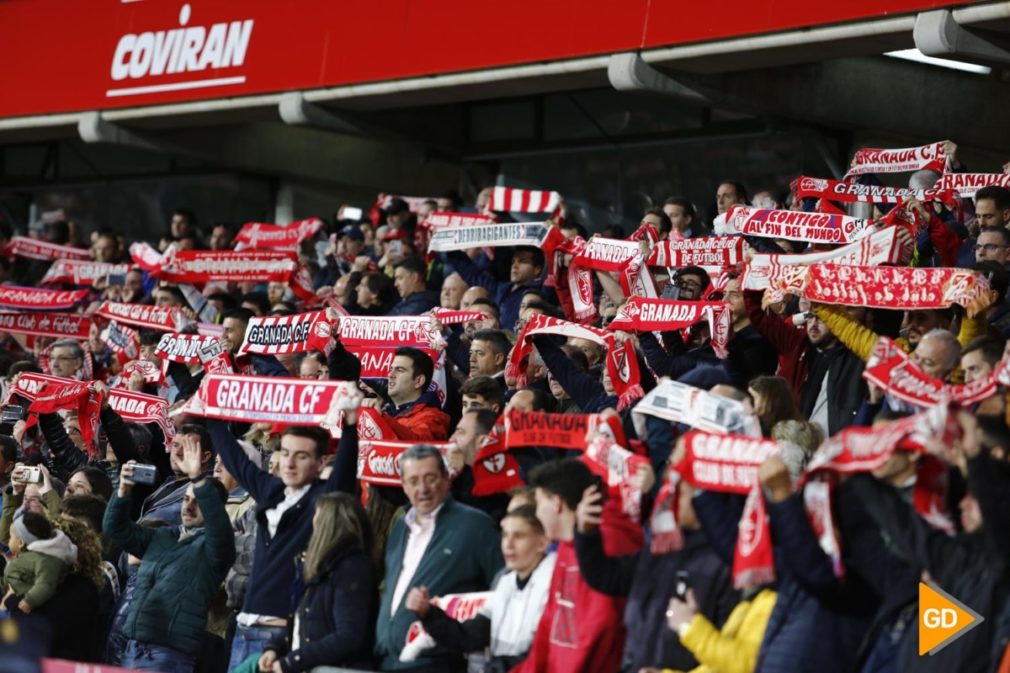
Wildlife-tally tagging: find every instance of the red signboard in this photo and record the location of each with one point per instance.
(68, 55)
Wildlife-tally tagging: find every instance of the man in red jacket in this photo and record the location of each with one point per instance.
(414, 414)
(580, 629)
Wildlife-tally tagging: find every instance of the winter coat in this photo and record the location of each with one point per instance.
(734, 648)
(335, 615)
(416, 303)
(177, 578)
(582, 629)
(506, 295)
(463, 555)
(419, 421)
(38, 569)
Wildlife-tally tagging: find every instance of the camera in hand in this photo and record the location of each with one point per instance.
(680, 588)
(9, 415)
(144, 474)
(27, 474)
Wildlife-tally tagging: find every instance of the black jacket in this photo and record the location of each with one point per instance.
(335, 615)
(846, 388)
(416, 303)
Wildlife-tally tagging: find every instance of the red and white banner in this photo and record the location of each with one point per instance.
(606, 254)
(794, 225)
(709, 251)
(32, 299)
(853, 192)
(188, 348)
(891, 369)
(259, 399)
(50, 394)
(887, 246)
(379, 460)
(34, 248)
(564, 431)
(149, 372)
(134, 407)
(640, 314)
(121, 340)
(416, 331)
(276, 236)
(55, 325)
(904, 160)
(890, 287)
(273, 335)
(724, 463)
(448, 316)
(441, 220)
(144, 316)
(680, 403)
(459, 607)
(78, 272)
(513, 200)
(967, 184)
(529, 234)
(248, 266)
(147, 258)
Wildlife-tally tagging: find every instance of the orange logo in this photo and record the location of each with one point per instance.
(942, 619)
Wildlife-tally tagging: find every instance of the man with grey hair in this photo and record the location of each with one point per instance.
(439, 547)
(66, 358)
(938, 353)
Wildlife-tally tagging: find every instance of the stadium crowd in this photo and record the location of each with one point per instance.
(726, 446)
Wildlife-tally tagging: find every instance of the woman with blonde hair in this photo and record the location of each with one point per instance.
(334, 623)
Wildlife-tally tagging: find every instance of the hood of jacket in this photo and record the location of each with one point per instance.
(58, 546)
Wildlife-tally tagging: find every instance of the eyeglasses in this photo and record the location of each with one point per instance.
(689, 284)
(990, 247)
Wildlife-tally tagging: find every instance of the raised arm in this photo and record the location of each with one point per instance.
(585, 389)
(117, 526)
(249, 475)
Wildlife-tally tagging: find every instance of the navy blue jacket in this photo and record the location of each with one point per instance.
(416, 303)
(273, 569)
(508, 296)
(335, 615)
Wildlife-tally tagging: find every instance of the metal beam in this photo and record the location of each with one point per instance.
(938, 33)
(93, 128)
(629, 72)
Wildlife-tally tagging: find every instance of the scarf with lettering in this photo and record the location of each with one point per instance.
(579, 280)
(247, 266)
(274, 335)
(379, 460)
(81, 272)
(121, 340)
(645, 232)
(51, 394)
(149, 372)
(729, 464)
(890, 287)
(608, 255)
(618, 467)
(32, 299)
(149, 259)
(514, 200)
(134, 407)
(54, 325)
(258, 235)
(640, 314)
(621, 362)
(187, 348)
(967, 184)
(796, 225)
(495, 235)
(853, 192)
(261, 399)
(563, 431)
(708, 251)
(458, 607)
(35, 248)
(888, 246)
(903, 160)
(144, 316)
(495, 468)
(892, 370)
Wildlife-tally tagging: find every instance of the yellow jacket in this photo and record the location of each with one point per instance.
(735, 648)
(860, 339)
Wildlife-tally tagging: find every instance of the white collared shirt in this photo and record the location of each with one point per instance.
(291, 498)
(419, 535)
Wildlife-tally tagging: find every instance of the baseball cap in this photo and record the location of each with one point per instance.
(352, 232)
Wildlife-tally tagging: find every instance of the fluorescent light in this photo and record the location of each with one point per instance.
(919, 57)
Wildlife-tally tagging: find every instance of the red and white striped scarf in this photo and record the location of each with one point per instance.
(514, 200)
(719, 251)
(121, 340)
(274, 335)
(618, 467)
(80, 272)
(906, 159)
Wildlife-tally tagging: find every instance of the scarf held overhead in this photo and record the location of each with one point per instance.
(904, 160)
(796, 225)
(640, 314)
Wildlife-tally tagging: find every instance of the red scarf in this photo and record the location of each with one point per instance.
(122, 341)
(273, 335)
(852, 192)
(495, 469)
(379, 460)
(622, 364)
(34, 248)
(891, 287)
(50, 394)
(148, 371)
(32, 299)
(618, 467)
(795, 225)
(259, 399)
(80, 272)
(248, 266)
(513, 200)
(143, 316)
(887, 246)
(967, 184)
(563, 431)
(640, 314)
(134, 407)
(187, 348)
(259, 235)
(55, 325)
(904, 160)
(706, 251)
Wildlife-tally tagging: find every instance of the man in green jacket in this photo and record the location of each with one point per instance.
(182, 569)
(441, 545)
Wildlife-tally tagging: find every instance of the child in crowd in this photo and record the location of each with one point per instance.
(42, 557)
